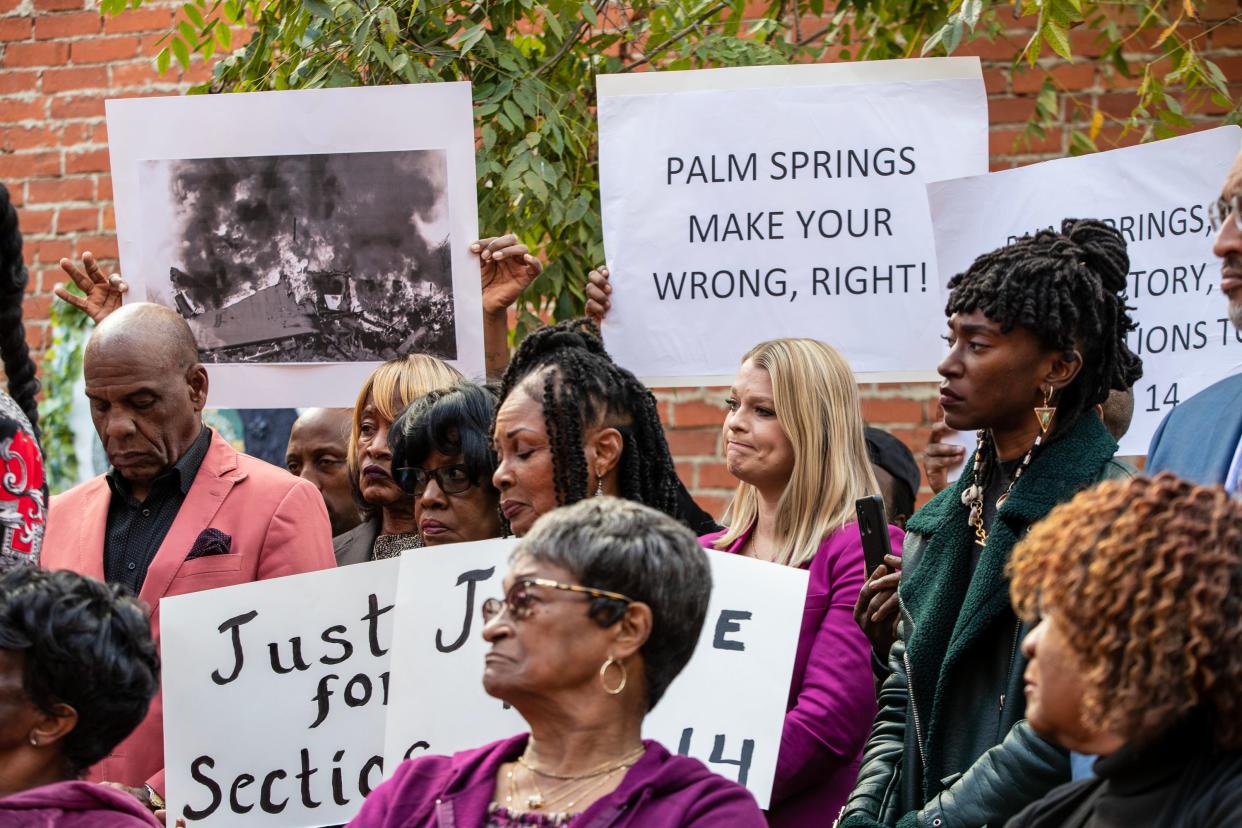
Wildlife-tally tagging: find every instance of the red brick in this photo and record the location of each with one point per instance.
(685, 472)
(695, 413)
(1117, 104)
(140, 20)
(1087, 42)
(102, 247)
(15, 28)
(15, 82)
(1227, 37)
(916, 439)
(58, 5)
(47, 250)
(137, 74)
(53, 26)
(108, 220)
(882, 410)
(1112, 137)
(72, 80)
(76, 133)
(34, 222)
(85, 162)
(104, 49)
(36, 54)
(16, 139)
(996, 81)
(1070, 77)
(37, 307)
(1010, 110)
(14, 111)
(698, 442)
(36, 335)
(713, 504)
(103, 188)
(1006, 142)
(7, 6)
(1218, 10)
(715, 476)
(80, 106)
(1002, 48)
(77, 219)
(28, 165)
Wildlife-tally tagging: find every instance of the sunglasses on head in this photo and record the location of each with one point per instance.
(453, 479)
(520, 603)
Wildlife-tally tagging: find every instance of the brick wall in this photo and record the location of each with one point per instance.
(59, 60)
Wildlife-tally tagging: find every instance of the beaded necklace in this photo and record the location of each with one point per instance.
(973, 495)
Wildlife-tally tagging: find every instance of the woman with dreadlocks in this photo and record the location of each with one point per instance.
(571, 423)
(1036, 340)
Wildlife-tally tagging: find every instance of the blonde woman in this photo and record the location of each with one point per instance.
(388, 524)
(794, 440)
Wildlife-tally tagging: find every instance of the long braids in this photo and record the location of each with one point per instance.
(18, 366)
(1067, 288)
(582, 386)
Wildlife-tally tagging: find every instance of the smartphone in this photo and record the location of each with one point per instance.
(873, 526)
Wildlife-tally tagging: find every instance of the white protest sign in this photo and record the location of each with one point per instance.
(1157, 195)
(746, 204)
(275, 694)
(750, 635)
(301, 249)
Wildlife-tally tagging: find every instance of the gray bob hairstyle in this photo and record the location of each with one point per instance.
(626, 547)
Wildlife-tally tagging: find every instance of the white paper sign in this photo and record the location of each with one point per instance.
(1157, 195)
(750, 636)
(274, 697)
(301, 248)
(745, 204)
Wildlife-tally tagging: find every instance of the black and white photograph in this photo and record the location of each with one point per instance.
(310, 258)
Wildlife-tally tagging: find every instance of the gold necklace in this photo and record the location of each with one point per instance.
(605, 768)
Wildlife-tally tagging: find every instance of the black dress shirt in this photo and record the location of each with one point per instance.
(136, 530)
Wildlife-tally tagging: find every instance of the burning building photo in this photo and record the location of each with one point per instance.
(304, 258)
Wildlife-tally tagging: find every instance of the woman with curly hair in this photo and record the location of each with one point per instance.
(1137, 653)
(1036, 334)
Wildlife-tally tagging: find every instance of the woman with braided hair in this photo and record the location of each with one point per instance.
(571, 423)
(1135, 590)
(23, 490)
(1036, 341)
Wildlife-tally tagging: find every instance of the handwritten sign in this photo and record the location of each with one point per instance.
(275, 695)
(745, 204)
(1157, 196)
(750, 635)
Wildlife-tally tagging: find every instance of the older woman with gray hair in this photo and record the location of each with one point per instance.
(603, 606)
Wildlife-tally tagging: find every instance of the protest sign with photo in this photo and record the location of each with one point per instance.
(275, 695)
(1157, 196)
(300, 249)
(745, 204)
(750, 636)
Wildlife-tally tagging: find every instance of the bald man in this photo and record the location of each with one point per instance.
(180, 510)
(317, 452)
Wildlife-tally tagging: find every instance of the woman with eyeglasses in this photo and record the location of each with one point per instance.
(603, 607)
(442, 455)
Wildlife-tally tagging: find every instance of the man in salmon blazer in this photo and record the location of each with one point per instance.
(180, 510)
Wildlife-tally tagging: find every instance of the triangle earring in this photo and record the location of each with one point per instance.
(1045, 412)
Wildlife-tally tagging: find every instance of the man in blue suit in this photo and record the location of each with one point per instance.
(1201, 439)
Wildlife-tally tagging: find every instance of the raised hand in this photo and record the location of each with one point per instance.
(598, 293)
(939, 457)
(507, 268)
(103, 293)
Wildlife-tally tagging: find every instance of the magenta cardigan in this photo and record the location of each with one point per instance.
(74, 805)
(659, 790)
(832, 693)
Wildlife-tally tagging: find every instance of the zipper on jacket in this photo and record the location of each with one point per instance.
(914, 708)
(1013, 656)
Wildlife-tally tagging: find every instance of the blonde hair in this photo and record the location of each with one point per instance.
(391, 387)
(816, 403)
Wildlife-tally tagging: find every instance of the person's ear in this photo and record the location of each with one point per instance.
(196, 379)
(607, 445)
(51, 728)
(633, 630)
(1063, 370)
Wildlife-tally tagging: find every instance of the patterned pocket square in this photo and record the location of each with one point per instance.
(210, 542)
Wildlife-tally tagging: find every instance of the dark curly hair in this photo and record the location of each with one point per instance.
(18, 366)
(1068, 289)
(85, 644)
(567, 368)
(1145, 577)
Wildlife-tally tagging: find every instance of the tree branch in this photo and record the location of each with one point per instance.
(569, 41)
(674, 38)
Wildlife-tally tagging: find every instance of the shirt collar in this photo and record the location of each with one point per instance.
(182, 473)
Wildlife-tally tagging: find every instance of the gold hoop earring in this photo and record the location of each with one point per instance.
(1045, 412)
(612, 691)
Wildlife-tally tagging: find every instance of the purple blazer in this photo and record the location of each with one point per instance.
(832, 694)
(74, 805)
(659, 790)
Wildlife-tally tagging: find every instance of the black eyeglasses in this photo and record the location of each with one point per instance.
(1219, 212)
(453, 479)
(520, 604)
